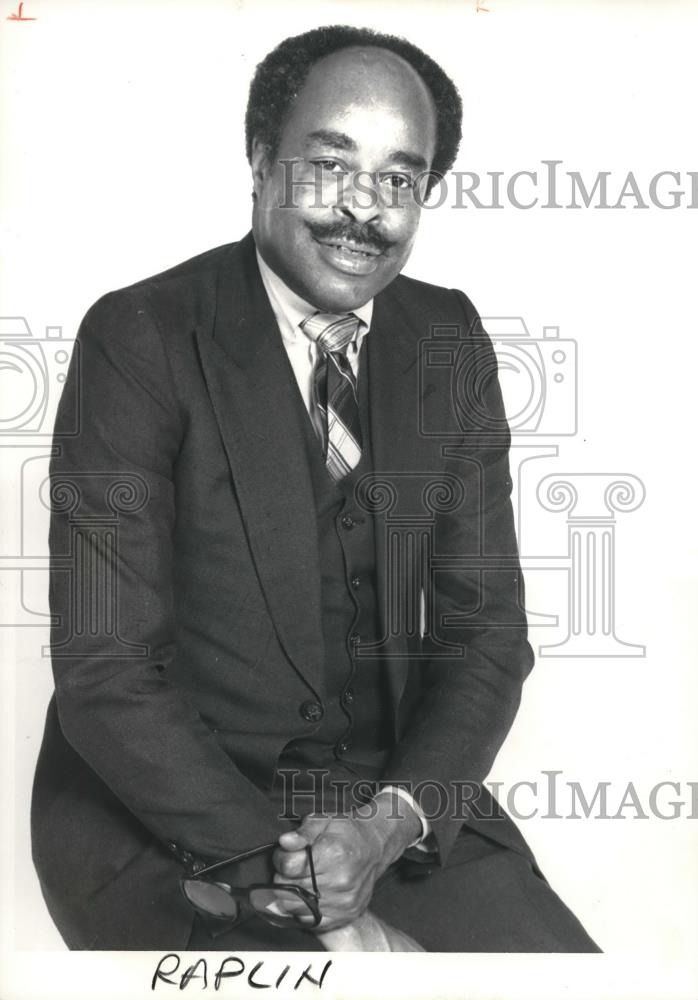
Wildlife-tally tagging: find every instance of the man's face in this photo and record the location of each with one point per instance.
(338, 222)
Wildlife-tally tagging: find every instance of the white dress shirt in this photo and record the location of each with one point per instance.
(290, 310)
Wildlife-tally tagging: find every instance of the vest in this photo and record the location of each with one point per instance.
(352, 739)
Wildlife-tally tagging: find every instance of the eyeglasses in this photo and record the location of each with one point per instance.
(226, 903)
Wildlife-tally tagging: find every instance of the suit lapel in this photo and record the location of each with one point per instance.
(398, 448)
(393, 385)
(253, 391)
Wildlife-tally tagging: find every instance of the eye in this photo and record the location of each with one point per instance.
(401, 181)
(330, 166)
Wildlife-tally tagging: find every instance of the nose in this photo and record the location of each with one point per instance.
(360, 198)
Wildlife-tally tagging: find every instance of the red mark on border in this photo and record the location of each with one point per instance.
(19, 16)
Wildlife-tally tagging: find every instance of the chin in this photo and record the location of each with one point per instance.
(342, 303)
(341, 297)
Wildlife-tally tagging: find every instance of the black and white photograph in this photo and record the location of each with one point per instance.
(348, 535)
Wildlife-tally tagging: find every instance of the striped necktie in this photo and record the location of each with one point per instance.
(334, 390)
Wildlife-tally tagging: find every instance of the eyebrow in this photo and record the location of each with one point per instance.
(328, 137)
(340, 140)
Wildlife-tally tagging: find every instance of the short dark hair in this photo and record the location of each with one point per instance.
(281, 74)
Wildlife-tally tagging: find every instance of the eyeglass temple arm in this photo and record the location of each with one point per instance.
(250, 854)
(311, 865)
(236, 857)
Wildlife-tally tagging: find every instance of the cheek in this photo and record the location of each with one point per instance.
(403, 218)
(404, 230)
(285, 226)
(300, 190)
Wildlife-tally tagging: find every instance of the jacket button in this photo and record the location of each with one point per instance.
(348, 522)
(312, 711)
(354, 638)
(342, 748)
(348, 697)
(355, 582)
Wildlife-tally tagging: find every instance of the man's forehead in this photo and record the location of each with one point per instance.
(367, 63)
(361, 77)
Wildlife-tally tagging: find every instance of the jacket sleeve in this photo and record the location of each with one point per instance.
(469, 701)
(111, 594)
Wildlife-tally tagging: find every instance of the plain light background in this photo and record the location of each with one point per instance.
(122, 149)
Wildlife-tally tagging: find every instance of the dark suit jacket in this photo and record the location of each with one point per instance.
(167, 723)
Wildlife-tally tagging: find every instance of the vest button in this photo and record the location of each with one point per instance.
(312, 711)
(354, 638)
(355, 582)
(347, 522)
(348, 697)
(342, 748)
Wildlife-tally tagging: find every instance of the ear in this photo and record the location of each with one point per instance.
(259, 162)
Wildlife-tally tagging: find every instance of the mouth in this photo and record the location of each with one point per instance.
(349, 257)
(348, 247)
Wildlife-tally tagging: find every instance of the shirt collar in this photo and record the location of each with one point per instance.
(290, 309)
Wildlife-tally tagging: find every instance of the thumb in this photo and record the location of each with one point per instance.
(307, 833)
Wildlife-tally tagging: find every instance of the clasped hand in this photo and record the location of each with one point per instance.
(350, 853)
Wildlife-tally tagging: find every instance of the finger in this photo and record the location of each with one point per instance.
(337, 905)
(310, 827)
(290, 904)
(330, 853)
(338, 908)
(290, 864)
(293, 840)
(302, 882)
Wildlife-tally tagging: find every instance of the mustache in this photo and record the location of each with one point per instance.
(355, 232)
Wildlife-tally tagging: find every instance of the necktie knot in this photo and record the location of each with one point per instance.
(331, 332)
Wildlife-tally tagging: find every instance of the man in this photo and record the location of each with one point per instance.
(254, 419)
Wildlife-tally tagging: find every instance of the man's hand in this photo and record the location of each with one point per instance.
(349, 853)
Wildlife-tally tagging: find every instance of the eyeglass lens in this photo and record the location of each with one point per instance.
(211, 898)
(278, 906)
